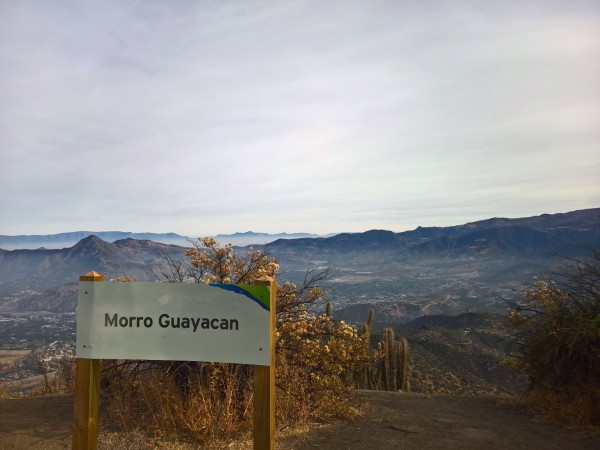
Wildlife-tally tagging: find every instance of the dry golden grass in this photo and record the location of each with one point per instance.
(216, 403)
(9, 357)
(212, 402)
(569, 406)
(139, 441)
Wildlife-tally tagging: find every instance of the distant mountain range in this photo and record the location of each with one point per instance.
(64, 240)
(251, 238)
(44, 268)
(565, 234)
(434, 270)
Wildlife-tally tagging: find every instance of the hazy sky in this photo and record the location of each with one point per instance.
(204, 117)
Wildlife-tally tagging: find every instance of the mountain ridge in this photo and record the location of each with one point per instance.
(546, 234)
(445, 270)
(68, 239)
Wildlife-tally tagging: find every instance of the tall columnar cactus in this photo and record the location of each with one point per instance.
(389, 359)
(387, 368)
(328, 309)
(393, 367)
(362, 377)
(365, 377)
(369, 365)
(402, 365)
(393, 349)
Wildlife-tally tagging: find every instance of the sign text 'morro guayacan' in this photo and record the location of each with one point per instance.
(166, 321)
(173, 321)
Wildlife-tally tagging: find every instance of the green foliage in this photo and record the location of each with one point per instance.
(557, 335)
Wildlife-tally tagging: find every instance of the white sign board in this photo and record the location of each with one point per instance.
(174, 322)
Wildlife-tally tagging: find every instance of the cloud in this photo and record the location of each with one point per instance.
(207, 117)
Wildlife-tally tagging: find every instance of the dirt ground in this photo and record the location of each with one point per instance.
(391, 421)
(36, 422)
(414, 422)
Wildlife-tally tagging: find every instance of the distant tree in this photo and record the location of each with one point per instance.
(557, 341)
(41, 363)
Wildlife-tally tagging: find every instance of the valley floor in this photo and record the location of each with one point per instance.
(391, 421)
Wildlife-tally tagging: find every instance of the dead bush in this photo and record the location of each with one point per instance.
(205, 401)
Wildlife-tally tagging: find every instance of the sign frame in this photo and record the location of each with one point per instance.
(87, 386)
(174, 322)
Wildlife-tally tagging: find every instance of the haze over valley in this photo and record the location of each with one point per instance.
(441, 270)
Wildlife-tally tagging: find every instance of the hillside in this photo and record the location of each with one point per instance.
(57, 300)
(459, 355)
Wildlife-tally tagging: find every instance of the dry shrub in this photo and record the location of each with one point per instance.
(6, 394)
(207, 401)
(57, 376)
(65, 373)
(569, 406)
(291, 398)
(217, 400)
(557, 342)
(315, 356)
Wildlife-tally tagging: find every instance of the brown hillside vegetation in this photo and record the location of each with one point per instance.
(391, 420)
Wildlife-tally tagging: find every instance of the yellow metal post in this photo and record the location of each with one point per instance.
(264, 387)
(87, 394)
